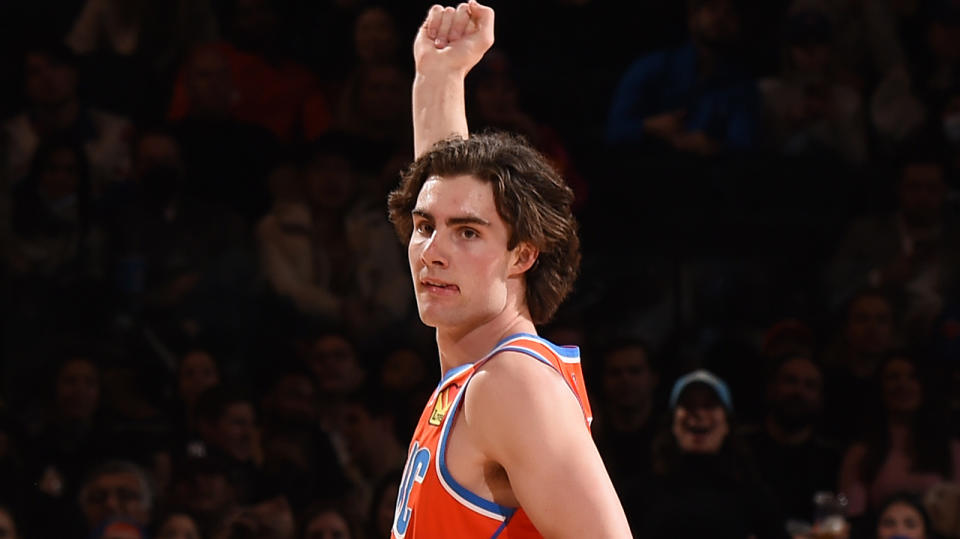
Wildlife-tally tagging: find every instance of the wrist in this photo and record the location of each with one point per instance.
(439, 75)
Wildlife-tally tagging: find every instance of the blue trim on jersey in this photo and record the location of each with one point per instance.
(501, 528)
(527, 351)
(565, 351)
(488, 505)
(453, 372)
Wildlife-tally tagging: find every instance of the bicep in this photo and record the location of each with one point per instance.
(553, 466)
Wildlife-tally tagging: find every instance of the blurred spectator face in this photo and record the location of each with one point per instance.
(383, 94)
(375, 36)
(796, 393)
(254, 22)
(902, 392)
(944, 40)
(403, 370)
(922, 193)
(205, 492)
(115, 495)
(198, 372)
(236, 431)
(333, 360)
(8, 528)
(210, 83)
(714, 23)
(901, 521)
(700, 421)
(121, 530)
(49, 82)
(157, 150)
(294, 399)
(329, 182)
(78, 389)
(179, 526)
(869, 326)
(59, 175)
(270, 519)
(628, 381)
(364, 434)
(331, 525)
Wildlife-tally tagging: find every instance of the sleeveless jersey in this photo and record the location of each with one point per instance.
(431, 504)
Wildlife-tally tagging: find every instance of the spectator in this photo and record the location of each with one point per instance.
(697, 99)
(911, 251)
(373, 105)
(269, 518)
(327, 522)
(868, 334)
(903, 517)
(365, 290)
(56, 234)
(131, 49)
(116, 489)
(197, 372)
(624, 427)
(809, 112)
(908, 449)
(178, 526)
(203, 488)
(227, 422)
(54, 108)
(704, 484)
(790, 453)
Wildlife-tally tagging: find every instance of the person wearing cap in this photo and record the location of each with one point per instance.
(703, 483)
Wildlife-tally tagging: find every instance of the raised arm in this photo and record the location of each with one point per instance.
(450, 42)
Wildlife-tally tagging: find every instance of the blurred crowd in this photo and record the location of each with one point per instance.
(209, 324)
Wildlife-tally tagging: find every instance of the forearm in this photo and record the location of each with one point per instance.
(439, 111)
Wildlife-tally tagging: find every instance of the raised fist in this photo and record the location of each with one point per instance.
(453, 40)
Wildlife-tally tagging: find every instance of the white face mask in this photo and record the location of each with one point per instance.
(951, 128)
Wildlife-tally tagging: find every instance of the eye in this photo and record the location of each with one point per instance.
(423, 228)
(469, 233)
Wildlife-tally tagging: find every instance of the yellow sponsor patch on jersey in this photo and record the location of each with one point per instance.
(440, 407)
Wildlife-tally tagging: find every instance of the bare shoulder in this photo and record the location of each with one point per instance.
(519, 398)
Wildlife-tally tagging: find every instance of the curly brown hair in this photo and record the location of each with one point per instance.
(530, 195)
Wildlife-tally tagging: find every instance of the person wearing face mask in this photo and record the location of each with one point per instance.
(704, 483)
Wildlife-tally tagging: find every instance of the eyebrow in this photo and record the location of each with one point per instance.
(461, 220)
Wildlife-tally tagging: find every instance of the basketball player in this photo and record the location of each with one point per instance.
(503, 447)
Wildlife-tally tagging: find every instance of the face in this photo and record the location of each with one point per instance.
(796, 394)
(198, 372)
(901, 520)
(329, 182)
(329, 525)
(869, 326)
(210, 82)
(179, 527)
(236, 431)
(383, 94)
(8, 530)
(115, 495)
(294, 399)
(463, 274)
(375, 35)
(922, 193)
(78, 389)
(699, 421)
(363, 433)
(715, 23)
(333, 361)
(901, 388)
(628, 380)
(60, 174)
(274, 518)
(49, 83)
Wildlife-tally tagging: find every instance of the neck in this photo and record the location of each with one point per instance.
(458, 347)
(786, 436)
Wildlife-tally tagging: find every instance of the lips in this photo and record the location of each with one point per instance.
(438, 286)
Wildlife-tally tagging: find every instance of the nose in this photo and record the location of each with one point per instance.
(433, 252)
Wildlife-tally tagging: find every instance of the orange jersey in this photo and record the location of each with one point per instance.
(431, 504)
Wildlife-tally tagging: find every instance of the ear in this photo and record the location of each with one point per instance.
(525, 256)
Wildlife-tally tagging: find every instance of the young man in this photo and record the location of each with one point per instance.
(503, 447)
